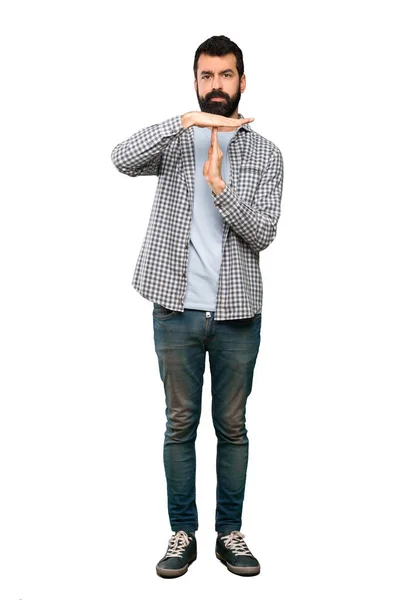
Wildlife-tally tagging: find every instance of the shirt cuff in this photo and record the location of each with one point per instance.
(226, 201)
(174, 125)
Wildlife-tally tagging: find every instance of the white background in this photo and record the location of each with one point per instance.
(83, 503)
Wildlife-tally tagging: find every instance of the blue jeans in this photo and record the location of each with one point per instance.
(181, 342)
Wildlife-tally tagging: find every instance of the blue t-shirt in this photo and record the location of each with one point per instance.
(205, 251)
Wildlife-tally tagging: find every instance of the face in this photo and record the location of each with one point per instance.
(217, 85)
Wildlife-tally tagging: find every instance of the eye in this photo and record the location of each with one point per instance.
(205, 76)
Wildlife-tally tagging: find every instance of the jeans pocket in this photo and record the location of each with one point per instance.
(160, 312)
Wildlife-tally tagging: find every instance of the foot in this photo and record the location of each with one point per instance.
(232, 550)
(181, 552)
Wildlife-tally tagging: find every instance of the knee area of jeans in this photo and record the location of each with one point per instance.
(233, 433)
(181, 430)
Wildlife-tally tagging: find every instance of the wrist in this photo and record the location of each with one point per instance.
(186, 120)
(217, 186)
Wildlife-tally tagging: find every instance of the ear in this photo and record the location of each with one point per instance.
(243, 83)
(195, 84)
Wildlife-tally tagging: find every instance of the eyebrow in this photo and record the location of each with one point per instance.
(221, 72)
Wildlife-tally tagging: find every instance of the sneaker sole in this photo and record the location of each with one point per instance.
(238, 570)
(171, 573)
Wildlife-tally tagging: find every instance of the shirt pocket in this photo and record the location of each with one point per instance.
(250, 176)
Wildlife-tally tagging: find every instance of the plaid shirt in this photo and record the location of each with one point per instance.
(249, 204)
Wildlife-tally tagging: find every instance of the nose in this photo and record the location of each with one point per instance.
(217, 85)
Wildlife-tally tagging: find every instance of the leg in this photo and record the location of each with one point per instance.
(233, 353)
(181, 358)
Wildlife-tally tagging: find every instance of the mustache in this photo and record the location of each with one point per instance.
(216, 94)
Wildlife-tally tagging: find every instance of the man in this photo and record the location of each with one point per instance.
(216, 207)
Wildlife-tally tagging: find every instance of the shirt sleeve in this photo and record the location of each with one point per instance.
(141, 153)
(256, 223)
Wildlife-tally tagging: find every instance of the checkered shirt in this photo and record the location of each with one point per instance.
(249, 205)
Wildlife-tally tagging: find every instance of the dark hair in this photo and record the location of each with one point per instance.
(219, 45)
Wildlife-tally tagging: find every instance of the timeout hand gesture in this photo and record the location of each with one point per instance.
(213, 165)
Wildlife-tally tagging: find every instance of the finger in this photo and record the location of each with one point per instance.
(214, 138)
(220, 120)
(243, 121)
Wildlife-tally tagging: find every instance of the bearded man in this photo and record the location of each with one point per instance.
(216, 208)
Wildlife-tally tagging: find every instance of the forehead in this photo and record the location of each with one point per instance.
(216, 63)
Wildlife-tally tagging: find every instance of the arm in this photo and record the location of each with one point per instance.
(141, 153)
(256, 224)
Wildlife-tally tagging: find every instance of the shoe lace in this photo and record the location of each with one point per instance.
(177, 544)
(234, 541)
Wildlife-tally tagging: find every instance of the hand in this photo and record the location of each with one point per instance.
(203, 119)
(212, 167)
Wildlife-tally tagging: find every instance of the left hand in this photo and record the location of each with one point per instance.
(213, 165)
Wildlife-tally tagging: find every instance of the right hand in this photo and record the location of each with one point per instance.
(203, 119)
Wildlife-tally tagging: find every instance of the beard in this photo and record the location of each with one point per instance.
(224, 108)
